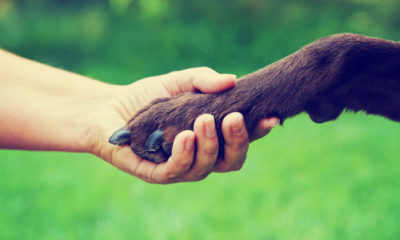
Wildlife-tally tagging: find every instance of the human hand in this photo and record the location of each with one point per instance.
(186, 163)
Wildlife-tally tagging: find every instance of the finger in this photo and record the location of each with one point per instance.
(264, 127)
(202, 78)
(179, 162)
(236, 143)
(207, 148)
(213, 83)
(124, 159)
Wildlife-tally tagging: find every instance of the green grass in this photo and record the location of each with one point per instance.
(339, 180)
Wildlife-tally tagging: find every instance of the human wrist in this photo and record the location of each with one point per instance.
(89, 117)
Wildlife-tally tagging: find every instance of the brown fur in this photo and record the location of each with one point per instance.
(344, 71)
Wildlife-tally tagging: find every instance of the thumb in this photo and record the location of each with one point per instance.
(204, 79)
(264, 127)
(214, 83)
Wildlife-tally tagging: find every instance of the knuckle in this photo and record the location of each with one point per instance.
(183, 164)
(169, 181)
(224, 169)
(113, 156)
(152, 181)
(210, 149)
(241, 143)
(166, 181)
(237, 167)
(202, 176)
(229, 168)
(239, 164)
(234, 164)
(170, 176)
(167, 178)
(140, 175)
(221, 166)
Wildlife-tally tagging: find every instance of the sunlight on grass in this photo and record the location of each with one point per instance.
(303, 181)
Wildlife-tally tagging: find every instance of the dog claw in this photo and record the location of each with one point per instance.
(154, 141)
(120, 137)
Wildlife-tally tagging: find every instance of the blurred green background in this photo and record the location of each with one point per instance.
(339, 180)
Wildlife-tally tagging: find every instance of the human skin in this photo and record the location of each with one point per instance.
(49, 109)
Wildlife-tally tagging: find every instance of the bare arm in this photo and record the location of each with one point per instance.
(44, 108)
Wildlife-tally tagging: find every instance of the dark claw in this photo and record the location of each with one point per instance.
(154, 141)
(167, 147)
(120, 137)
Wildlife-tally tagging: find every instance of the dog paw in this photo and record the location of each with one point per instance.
(153, 129)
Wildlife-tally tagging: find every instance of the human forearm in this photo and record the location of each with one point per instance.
(44, 108)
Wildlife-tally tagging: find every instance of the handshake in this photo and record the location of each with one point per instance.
(194, 152)
(344, 71)
(186, 124)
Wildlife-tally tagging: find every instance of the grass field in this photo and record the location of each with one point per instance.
(339, 180)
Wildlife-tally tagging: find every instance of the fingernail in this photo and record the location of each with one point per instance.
(189, 143)
(209, 126)
(274, 122)
(238, 126)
